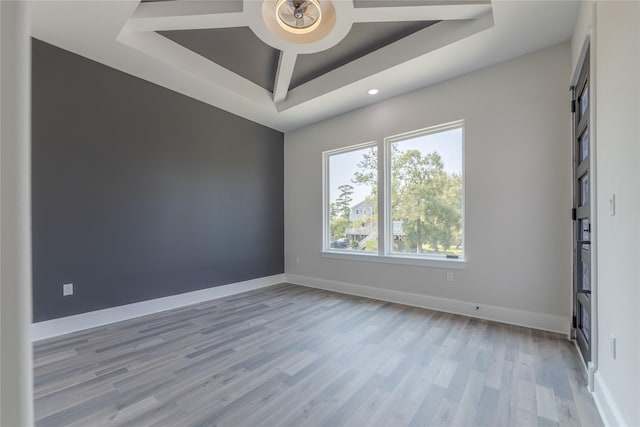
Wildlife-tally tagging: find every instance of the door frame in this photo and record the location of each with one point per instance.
(588, 47)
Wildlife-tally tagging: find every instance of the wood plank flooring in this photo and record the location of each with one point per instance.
(293, 356)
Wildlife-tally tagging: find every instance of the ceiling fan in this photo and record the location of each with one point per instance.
(299, 16)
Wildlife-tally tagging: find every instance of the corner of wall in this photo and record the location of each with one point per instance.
(79, 322)
(581, 32)
(541, 321)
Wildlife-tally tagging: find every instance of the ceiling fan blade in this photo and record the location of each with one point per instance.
(313, 13)
(303, 7)
(299, 14)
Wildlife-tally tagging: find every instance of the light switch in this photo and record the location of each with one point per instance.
(612, 343)
(612, 205)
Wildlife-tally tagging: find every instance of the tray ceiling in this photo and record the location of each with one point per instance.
(238, 50)
(362, 39)
(244, 39)
(222, 52)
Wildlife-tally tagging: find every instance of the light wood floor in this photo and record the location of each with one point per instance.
(289, 355)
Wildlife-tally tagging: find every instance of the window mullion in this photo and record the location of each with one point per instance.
(382, 214)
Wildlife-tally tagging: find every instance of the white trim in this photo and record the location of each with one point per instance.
(385, 252)
(387, 225)
(589, 369)
(455, 124)
(92, 319)
(581, 57)
(591, 372)
(607, 407)
(326, 183)
(421, 261)
(16, 361)
(542, 321)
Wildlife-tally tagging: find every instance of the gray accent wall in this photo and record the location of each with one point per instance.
(139, 192)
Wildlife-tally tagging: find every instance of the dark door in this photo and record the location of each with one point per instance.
(581, 106)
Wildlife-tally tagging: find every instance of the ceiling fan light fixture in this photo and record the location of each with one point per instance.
(298, 16)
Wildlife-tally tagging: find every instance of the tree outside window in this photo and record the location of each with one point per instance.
(426, 193)
(350, 228)
(423, 195)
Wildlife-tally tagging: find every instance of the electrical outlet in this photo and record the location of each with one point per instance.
(449, 276)
(612, 342)
(67, 289)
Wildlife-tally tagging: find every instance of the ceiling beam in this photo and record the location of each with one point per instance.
(194, 65)
(420, 13)
(189, 22)
(286, 64)
(186, 15)
(183, 8)
(379, 66)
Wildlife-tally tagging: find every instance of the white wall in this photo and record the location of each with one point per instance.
(617, 56)
(518, 186)
(581, 32)
(16, 380)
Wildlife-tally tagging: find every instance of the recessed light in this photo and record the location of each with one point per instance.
(373, 91)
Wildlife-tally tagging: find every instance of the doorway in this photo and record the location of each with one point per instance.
(582, 183)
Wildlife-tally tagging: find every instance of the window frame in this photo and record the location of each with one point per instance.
(385, 253)
(388, 224)
(326, 203)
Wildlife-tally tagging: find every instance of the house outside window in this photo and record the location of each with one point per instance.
(351, 210)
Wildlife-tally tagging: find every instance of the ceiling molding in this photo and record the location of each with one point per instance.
(184, 8)
(363, 39)
(188, 22)
(237, 49)
(426, 13)
(403, 50)
(160, 47)
(286, 65)
(122, 34)
(339, 16)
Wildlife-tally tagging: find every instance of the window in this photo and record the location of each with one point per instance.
(351, 184)
(422, 194)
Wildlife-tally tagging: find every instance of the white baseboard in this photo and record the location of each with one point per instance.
(609, 411)
(546, 322)
(78, 322)
(591, 374)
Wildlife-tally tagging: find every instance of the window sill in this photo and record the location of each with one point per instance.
(457, 264)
